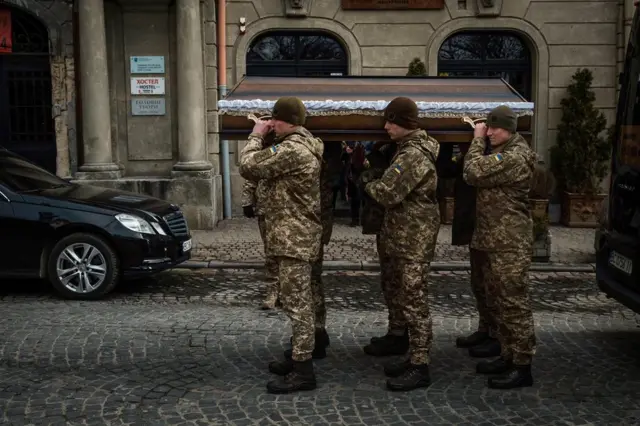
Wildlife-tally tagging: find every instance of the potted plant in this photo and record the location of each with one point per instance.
(580, 158)
(446, 200)
(417, 68)
(541, 190)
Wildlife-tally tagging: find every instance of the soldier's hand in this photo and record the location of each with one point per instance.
(248, 211)
(262, 127)
(480, 131)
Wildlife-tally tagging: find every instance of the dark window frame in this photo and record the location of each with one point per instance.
(484, 67)
(297, 67)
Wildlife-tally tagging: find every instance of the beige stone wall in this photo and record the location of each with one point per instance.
(562, 35)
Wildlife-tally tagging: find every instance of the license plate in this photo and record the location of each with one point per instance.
(186, 246)
(621, 262)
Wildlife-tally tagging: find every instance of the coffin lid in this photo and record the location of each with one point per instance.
(436, 97)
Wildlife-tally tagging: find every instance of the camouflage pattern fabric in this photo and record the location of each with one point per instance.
(413, 276)
(254, 194)
(487, 315)
(372, 212)
(291, 170)
(503, 180)
(391, 292)
(296, 299)
(407, 190)
(508, 291)
(270, 264)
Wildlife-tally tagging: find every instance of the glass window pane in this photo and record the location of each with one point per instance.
(320, 47)
(462, 47)
(273, 48)
(506, 47)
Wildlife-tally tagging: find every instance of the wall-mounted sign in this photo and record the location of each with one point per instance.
(147, 64)
(147, 85)
(148, 106)
(392, 4)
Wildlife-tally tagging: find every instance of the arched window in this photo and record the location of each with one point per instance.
(488, 54)
(296, 54)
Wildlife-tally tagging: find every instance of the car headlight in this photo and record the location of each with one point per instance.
(135, 223)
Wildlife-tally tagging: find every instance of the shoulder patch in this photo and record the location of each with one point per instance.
(267, 153)
(497, 157)
(397, 168)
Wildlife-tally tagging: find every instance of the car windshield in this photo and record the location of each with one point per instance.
(22, 176)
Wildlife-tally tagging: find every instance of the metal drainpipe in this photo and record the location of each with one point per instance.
(222, 92)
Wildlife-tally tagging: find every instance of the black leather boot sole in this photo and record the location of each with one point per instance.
(488, 349)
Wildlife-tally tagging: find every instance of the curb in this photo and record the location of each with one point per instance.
(340, 265)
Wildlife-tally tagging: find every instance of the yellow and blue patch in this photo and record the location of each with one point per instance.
(498, 157)
(398, 169)
(274, 148)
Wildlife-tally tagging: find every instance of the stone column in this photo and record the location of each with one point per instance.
(96, 113)
(191, 104)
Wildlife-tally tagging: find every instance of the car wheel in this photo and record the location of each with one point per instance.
(83, 266)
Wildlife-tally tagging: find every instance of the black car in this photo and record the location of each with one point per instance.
(83, 239)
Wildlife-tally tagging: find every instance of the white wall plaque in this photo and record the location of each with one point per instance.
(148, 106)
(147, 85)
(147, 64)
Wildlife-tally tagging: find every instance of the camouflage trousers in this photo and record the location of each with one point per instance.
(412, 277)
(506, 280)
(486, 316)
(317, 290)
(297, 302)
(270, 263)
(391, 291)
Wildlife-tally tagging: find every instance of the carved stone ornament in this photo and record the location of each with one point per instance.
(297, 8)
(489, 7)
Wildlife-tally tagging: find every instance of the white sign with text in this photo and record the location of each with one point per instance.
(147, 85)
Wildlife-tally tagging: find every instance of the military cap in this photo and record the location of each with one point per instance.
(403, 112)
(290, 110)
(503, 117)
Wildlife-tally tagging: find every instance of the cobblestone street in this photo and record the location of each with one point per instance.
(238, 239)
(192, 348)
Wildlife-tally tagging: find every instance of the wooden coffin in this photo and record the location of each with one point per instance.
(351, 108)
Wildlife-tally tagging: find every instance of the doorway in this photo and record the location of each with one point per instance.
(26, 121)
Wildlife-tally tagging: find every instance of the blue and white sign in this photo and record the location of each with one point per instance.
(147, 64)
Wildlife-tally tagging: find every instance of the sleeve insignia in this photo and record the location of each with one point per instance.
(498, 157)
(398, 169)
(265, 154)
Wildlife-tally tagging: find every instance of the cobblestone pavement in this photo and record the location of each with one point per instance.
(238, 239)
(191, 348)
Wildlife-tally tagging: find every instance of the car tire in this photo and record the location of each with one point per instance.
(100, 269)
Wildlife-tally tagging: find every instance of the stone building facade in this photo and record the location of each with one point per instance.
(79, 55)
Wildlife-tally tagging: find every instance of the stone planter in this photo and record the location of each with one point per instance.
(539, 207)
(446, 210)
(542, 248)
(580, 210)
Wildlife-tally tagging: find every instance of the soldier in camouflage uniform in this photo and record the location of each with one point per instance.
(291, 171)
(253, 198)
(503, 236)
(396, 341)
(330, 171)
(410, 228)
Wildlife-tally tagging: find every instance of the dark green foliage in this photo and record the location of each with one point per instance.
(580, 158)
(417, 68)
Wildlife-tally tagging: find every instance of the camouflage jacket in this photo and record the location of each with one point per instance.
(372, 212)
(407, 190)
(291, 173)
(253, 194)
(503, 180)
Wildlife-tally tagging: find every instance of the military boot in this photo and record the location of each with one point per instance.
(395, 369)
(300, 378)
(414, 377)
(488, 349)
(497, 366)
(473, 339)
(388, 345)
(320, 347)
(518, 376)
(281, 368)
(376, 338)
